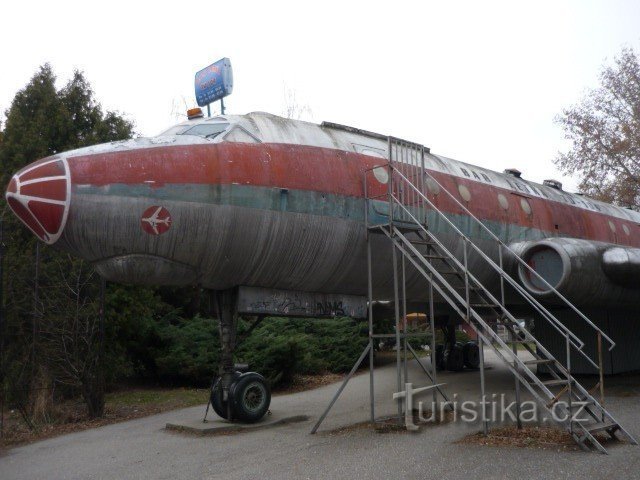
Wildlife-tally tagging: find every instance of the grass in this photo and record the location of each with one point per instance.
(122, 405)
(70, 415)
(161, 398)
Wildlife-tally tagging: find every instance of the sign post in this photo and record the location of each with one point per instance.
(213, 83)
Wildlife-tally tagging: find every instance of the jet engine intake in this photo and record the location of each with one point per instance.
(584, 271)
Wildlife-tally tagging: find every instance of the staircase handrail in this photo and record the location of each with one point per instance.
(500, 242)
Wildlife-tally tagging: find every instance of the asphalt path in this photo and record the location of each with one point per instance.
(143, 449)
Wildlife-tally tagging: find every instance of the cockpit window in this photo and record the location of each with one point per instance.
(206, 130)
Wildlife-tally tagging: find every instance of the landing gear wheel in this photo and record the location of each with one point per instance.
(471, 354)
(219, 405)
(250, 397)
(454, 358)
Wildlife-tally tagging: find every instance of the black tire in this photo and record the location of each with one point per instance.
(440, 357)
(471, 354)
(220, 406)
(454, 358)
(250, 397)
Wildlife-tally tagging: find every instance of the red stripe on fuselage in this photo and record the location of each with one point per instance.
(300, 167)
(276, 165)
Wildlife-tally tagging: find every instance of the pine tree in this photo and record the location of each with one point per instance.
(50, 327)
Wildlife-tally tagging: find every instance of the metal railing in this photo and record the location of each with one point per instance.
(403, 192)
(408, 206)
(488, 336)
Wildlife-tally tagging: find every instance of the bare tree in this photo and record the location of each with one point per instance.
(604, 130)
(293, 109)
(72, 339)
(179, 107)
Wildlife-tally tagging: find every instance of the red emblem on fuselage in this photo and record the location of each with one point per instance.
(156, 220)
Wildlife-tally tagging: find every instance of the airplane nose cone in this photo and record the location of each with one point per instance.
(39, 195)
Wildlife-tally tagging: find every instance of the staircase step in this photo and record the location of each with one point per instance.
(402, 229)
(421, 242)
(376, 227)
(504, 324)
(483, 305)
(539, 361)
(555, 382)
(409, 228)
(429, 257)
(598, 427)
(449, 272)
(586, 401)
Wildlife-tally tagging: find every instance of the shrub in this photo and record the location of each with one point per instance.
(189, 352)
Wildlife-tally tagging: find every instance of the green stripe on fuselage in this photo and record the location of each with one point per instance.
(305, 202)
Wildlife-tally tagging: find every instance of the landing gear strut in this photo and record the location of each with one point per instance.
(235, 395)
(454, 355)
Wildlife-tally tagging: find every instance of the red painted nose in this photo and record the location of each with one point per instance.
(39, 195)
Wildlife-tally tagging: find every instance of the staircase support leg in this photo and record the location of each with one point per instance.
(432, 321)
(370, 305)
(344, 384)
(483, 403)
(514, 347)
(569, 384)
(601, 372)
(404, 323)
(396, 296)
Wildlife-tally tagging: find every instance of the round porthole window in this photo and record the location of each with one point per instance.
(464, 193)
(526, 207)
(432, 186)
(502, 200)
(381, 174)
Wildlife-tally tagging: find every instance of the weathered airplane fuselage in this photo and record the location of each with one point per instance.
(262, 201)
(270, 202)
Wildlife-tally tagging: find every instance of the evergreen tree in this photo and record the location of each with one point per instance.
(43, 314)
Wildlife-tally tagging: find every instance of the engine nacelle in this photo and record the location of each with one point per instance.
(585, 272)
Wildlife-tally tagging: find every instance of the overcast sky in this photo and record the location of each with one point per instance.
(479, 81)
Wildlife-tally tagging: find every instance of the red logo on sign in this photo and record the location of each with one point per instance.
(156, 220)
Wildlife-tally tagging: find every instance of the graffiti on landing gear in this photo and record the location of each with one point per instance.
(265, 301)
(334, 309)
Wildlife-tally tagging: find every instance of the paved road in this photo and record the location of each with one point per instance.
(142, 449)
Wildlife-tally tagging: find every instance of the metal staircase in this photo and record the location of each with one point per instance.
(408, 200)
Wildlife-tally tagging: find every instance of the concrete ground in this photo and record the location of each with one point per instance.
(143, 449)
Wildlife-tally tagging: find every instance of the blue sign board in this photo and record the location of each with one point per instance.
(214, 82)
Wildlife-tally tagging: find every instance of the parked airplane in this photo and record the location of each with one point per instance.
(262, 201)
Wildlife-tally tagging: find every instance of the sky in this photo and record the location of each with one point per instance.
(479, 81)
